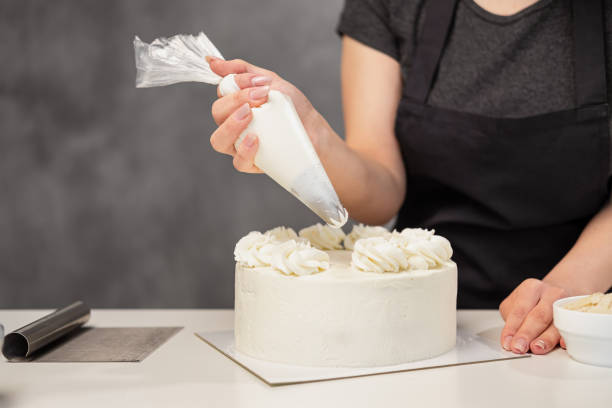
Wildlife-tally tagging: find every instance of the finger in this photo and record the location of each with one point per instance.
(536, 322)
(249, 80)
(526, 297)
(546, 341)
(243, 160)
(236, 66)
(505, 305)
(562, 343)
(222, 67)
(223, 107)
(222, 140)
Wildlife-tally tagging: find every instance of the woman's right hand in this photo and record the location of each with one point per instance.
(232, 113)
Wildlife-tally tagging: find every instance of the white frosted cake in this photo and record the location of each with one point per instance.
(307, 301)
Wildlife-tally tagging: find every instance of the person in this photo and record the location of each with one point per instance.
(484, 120)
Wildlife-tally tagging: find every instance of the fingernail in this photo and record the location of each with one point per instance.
(259, 92)
(506, 343)
(261, 80)
(242, 112)
(520, 346)
(211, 58)
(249, 141)
(539, 345)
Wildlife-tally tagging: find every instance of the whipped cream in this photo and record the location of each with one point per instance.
(413, 234)
(255, 249)
(595, 303)
(363, 231)
(378, 254)
(323, 236)
(282, 234)
(276, 249)
(414, 249)
(299, 258)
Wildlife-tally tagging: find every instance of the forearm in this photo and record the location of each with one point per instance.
(369, 190)
(587, 267)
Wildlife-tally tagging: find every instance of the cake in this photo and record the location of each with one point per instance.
(306, 300)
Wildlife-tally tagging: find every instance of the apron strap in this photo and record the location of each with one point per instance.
(589, 52)
(430, 44)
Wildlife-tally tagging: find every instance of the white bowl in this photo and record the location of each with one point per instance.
(588, 336)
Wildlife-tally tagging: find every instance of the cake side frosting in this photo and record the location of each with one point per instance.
(344, 317)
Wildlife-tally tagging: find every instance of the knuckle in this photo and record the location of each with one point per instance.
(240, 97)
(242, 63)
(518, 311)
(552, 334)
(218, 141)
(531, 283)
(503, 308)
(214, 141)
(215, 111)
(237, 163)
(241, 163)
(541, 314)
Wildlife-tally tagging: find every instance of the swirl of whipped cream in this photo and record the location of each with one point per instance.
(378, 254)
(282, 234)
(299, 258)
(409, 235)
(363, 231)
(425, 253)
(323, 236)
(255, 249)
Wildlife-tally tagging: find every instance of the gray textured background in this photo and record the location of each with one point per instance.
(113, 195)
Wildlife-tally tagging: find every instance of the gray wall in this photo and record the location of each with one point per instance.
(113, 195)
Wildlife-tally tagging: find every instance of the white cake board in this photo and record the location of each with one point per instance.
(471, 348)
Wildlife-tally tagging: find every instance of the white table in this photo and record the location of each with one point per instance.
(187, 372)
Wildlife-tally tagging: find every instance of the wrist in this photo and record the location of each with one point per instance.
(562, 276)
(321, 134)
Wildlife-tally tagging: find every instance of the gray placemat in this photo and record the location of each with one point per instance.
(106, 344)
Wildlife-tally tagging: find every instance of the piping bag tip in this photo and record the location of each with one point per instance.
(314, 189)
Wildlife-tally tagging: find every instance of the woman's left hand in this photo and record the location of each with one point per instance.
(528, 314)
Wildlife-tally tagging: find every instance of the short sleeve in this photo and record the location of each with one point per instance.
(369, 22)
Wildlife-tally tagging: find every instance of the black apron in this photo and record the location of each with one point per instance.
(511, 194)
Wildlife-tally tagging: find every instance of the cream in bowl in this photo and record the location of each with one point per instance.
(585, 323)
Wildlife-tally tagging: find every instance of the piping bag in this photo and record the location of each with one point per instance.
(285, 151)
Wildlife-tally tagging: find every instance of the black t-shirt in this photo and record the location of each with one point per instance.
(499, 66)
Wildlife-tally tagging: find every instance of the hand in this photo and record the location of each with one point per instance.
(528, 314)
(233, 112)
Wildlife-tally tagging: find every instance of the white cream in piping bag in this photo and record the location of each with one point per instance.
(286, 154)
(285, 151)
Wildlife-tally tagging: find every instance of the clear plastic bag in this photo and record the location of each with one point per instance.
(180, 58)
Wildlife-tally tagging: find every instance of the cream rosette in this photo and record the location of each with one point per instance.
(299, 258)
(255, 249)
(282, 234)
(378, 254)
(397, 252)
(361, 231)
(323, 237)
(276, 249)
